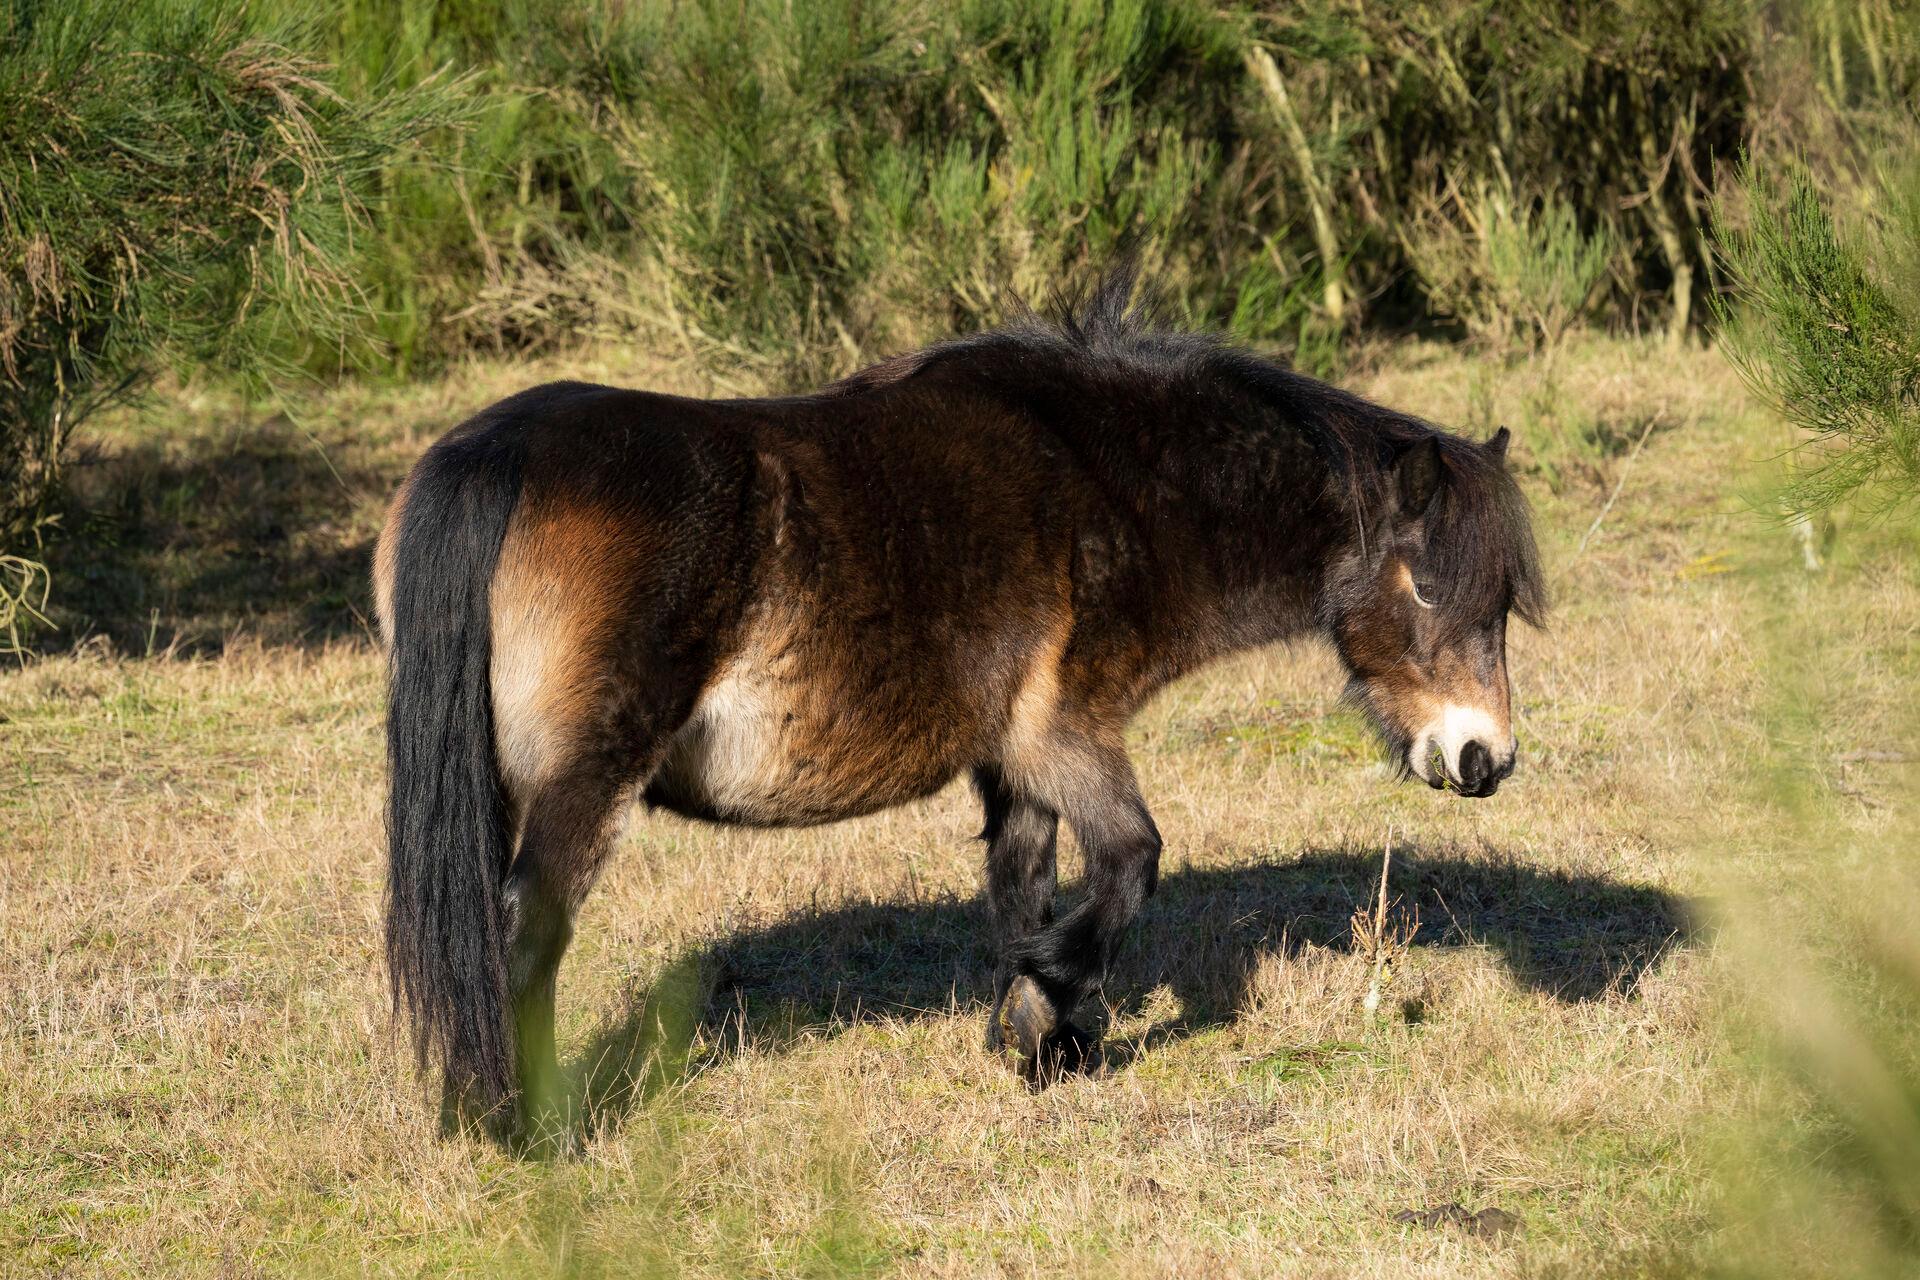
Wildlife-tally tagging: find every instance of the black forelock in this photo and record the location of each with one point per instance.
(1479, 543)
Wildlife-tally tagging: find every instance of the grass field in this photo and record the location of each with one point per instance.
(780, 1033)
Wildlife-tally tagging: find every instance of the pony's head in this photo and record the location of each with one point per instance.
(1418, 606)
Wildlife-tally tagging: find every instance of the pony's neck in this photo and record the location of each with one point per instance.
(1267, 538)
(1248, 501)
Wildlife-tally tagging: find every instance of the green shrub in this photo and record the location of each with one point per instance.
(1516, 274)
(1827, 330)
(501, 246)
(177, 183)
(855, 177)
(814, 184)
(1616, 109)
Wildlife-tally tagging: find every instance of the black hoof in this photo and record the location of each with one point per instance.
(1029, 1032)
(1024, 1019)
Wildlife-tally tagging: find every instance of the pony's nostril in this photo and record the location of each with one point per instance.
(1476, 766)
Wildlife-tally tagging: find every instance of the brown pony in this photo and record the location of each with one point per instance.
(980, 558)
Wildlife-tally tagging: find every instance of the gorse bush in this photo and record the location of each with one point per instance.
(1827, 330)
(857, 176)
(1614, 109)
(1517, 276)
(811, 184)
(177, 183)
(500, 245)
(798, 183)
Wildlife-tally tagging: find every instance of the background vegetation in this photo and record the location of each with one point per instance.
(810, 184)
(799, 188)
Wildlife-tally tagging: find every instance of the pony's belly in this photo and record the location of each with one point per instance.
(765, 752)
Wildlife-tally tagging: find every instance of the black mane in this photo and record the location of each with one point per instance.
(1480, 545)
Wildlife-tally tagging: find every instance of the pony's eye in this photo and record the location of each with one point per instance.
(1421, 594)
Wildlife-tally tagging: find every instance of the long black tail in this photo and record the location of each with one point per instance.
(448, 832)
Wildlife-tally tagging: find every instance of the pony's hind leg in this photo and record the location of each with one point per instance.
(571, 806)
(571, 825)
(584, 703)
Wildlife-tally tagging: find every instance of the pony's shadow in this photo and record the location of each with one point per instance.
(1204, 935)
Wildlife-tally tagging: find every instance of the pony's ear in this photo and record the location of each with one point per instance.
(1496, 446)
(1418, 472)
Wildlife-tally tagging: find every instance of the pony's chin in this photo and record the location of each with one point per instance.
(1399, 761)
(1430, 770)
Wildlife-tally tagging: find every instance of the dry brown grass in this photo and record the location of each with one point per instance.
(200, 1078)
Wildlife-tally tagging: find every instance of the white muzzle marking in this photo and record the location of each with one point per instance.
(1451, 731)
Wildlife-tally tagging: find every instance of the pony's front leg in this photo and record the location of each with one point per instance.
(1050, 968)
(1021, 876)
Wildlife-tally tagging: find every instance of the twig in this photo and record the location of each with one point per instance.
(19, 578)
(1856, 793)
(1266, 74)
(1378, 932)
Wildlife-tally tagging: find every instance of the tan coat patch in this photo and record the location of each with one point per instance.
(384, 552)
(555, 606)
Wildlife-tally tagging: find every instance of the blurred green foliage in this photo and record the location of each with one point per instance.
(1827, 329)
